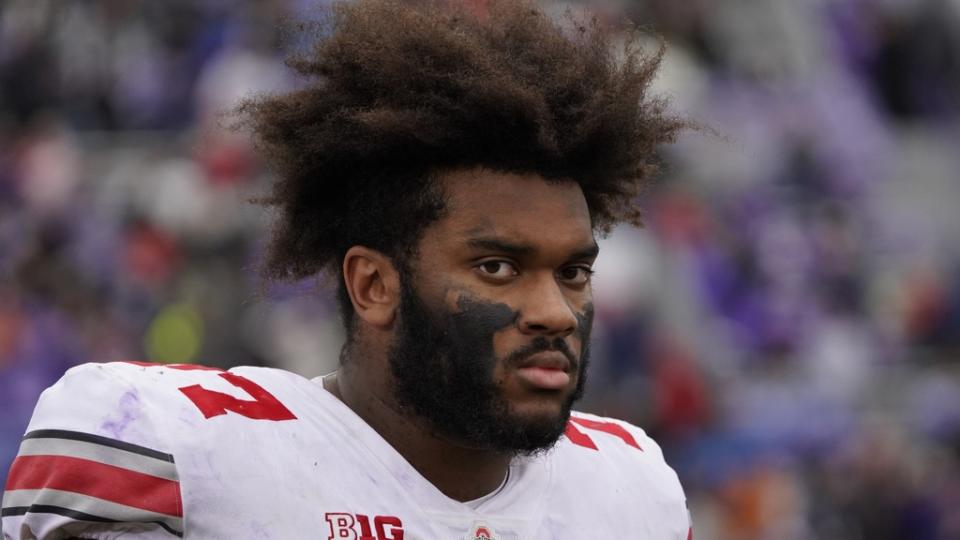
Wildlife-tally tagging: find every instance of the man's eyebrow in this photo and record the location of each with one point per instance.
(588, 252)
(501, 245)
(511, 248)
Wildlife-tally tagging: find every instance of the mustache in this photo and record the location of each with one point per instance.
(542, 344)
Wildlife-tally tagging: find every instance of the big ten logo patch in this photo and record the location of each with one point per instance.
(358, 527)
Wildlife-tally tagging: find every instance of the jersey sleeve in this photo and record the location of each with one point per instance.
(92, 464)
(639, 469)
(676, 510)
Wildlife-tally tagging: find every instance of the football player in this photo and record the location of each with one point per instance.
(452, 169)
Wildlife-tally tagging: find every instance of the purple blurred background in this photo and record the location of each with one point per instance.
(787, 325)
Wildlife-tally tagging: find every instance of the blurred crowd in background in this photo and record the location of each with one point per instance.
(787, 325)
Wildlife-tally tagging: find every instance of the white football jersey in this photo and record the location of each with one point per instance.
(157, 452)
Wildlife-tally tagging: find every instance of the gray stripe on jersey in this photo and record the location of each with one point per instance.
(97, 439)
(101, 454)
(87, 505)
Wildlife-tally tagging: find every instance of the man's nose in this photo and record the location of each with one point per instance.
(546, 311)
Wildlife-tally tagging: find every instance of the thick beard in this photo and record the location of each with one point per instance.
(443, 365)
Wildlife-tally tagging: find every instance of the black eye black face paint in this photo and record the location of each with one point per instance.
(483, 317)
(443, 364)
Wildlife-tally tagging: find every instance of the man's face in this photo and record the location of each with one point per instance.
(495, 316)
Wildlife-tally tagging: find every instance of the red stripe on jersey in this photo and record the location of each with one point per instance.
(608, 427)
(690, 534)
(98, 480)
(578, 437)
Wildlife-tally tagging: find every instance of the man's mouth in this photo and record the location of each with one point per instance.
(546, 370)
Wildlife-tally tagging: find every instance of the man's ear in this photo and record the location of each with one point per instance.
(373, 284)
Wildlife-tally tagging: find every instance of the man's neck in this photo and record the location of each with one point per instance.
(461, 473)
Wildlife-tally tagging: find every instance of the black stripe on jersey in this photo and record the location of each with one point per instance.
(97, 439)
(73, 514)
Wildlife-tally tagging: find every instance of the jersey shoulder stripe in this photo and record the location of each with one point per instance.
(94, 441)
(83, 517)
(93, 478)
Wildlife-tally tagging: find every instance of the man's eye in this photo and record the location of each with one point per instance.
(497, 269)
(576, 275)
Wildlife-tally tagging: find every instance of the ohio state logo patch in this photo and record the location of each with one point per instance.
(481, 531)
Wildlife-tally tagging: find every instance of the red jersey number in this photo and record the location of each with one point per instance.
(263, 406)
(580, 438)
(211, 403)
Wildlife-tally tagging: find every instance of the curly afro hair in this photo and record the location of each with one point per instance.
(399, 91)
